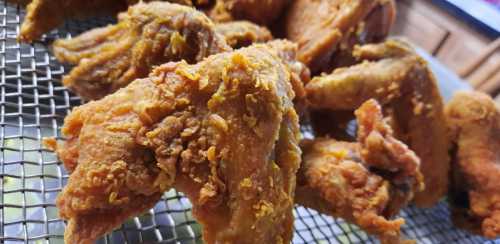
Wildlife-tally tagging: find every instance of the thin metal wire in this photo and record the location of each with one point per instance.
(32, 106)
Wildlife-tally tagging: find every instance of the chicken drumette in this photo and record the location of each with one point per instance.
(474, 123)
(364, 182)
(399, 79)
(223, 131)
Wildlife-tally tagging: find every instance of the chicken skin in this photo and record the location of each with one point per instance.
(365, 182)
(223, 131)
(262, 12)
(45, 15)
(474, 123)
(398, 78)
(323, 27)
(148, 34)
(88, 45)
(240, 34)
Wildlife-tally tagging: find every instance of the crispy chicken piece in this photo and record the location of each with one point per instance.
(240, 34)
(223, 131)
(89, 44)
(45, 15)
(394, 75)
(374, 28)
(365, 182)
(474, 123)
(148, 34)
(262, 12)
(323, 27)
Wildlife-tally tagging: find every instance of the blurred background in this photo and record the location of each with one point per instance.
(464, 35)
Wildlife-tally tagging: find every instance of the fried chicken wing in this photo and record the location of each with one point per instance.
(474, 122)
(223, 131)
(321, 28)
(365, 182)
(394, 75)
(89, 44)
(148, 34)
(45, 15)
(240, 34)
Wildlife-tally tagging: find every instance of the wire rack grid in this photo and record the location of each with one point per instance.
(33, 104)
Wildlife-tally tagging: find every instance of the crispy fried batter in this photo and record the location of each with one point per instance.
(148, 34)
(365, 182)
(262, 12)
(89, 44)
(325, 26)
(474, 123)
(394, 75)
(240, 34)
(223, 131)
(45, 15)
(374, 28)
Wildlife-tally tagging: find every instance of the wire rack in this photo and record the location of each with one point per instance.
(33, 105)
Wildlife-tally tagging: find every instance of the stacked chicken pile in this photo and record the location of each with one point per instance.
(194, 95)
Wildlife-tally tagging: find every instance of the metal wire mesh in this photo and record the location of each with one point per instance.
(33, 104)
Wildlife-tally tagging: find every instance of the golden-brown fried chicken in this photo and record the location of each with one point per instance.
(474, 122)
(223, 131)
(397, 77)
(240, 34)
(45, 15)
(87, 45)
(262, 12)
(324, 28)
(148, 34)
(374, 28)
(365, 182)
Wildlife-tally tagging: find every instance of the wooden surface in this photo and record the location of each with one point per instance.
(450, 40)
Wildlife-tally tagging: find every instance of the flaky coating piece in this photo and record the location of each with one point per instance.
(323, 27)
(223, 131)
(45, 15)
(394, 75)
(474, 123)
(365, 182)
(147, 34)
(242, 33)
